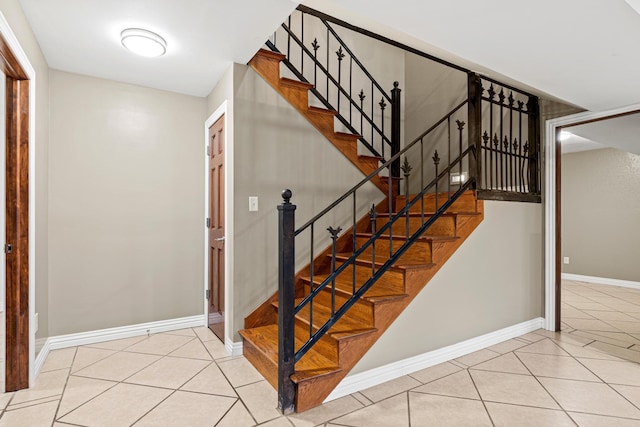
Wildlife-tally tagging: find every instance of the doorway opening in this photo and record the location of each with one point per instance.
(553, 214)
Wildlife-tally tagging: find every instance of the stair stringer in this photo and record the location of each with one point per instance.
(267, 64)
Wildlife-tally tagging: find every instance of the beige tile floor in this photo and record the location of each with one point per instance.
(586, 375)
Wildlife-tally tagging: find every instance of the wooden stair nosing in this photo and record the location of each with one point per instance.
(380, 296)
(380, 260)
(296, 84)
(422, 238)
(322, 111)
(269, 54)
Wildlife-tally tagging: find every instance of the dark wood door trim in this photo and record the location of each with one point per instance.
(17, 219)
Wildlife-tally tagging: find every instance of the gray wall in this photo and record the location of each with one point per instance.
(600, 212)
(276, 148)
(14, 15)
(126, 198)
(493, 281)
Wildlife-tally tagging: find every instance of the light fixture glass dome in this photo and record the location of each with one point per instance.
(143, 42)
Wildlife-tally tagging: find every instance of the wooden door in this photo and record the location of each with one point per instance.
(216, 228)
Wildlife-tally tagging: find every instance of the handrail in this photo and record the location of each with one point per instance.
(355, 58)
(384, 166)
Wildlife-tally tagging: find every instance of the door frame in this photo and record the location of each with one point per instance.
(17, 65)
(231, 347)
(552, 207)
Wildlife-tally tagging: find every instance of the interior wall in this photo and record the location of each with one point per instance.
(432, 91)
(12, 11)
(494, 280)
(125, 204)
(600, 211)
(276, 148)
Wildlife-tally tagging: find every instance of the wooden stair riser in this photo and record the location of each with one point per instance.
(443, 226)
(391, 280)
(420, 251)
(298, 96)
(265, 365)
(362, 310)
(465, 203)
(351, 321)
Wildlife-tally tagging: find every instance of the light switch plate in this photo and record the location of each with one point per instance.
(253, 203)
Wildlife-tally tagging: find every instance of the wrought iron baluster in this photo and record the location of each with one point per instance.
(406, 170)
(496, 143)
(520, 105)
(505, 147)
(353, 234)
(448, 153)
(373, 216)
(492, 94)
(421, 181)
(526, 159)
(334, 237)
(487, 147)
(511, 100)
(340, 58)
(350, 89)
(460, 128)
(501, 97)
(362, 96)
(382, 105)
(516, 160)
(311, 274)
(372, 116)
(315, 47)
(436, 161)
(289, 39)
(302, 44)
(328, 64)
(390, 198)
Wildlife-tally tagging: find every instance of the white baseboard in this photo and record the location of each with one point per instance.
(233, 348)
(601, 280)
(42, 355)
(101, 335)
(370, 378)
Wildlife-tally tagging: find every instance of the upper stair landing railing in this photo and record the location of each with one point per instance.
(508, 143)
(316, 53)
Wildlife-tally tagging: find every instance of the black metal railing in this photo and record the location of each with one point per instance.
(433, 178)
(316, 53)
(508, 146)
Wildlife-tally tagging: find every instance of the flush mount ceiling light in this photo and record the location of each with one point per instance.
(143, 42)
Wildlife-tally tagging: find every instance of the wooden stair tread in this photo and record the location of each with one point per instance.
(319, 110)
(430, 213)
(379, 290)
(266, 53)
(295, 83)
(421, 238)
(311, 365)
(347, 136)
(381, 259)
(365, 157)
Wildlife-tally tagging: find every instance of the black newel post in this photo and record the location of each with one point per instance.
(395, 132)
(474, 87)
(533, 110)
(286, 303)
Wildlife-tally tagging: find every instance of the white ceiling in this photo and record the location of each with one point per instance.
(580, 51)
(203, 36)
(622, 133)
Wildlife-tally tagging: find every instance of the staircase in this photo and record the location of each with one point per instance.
(306, 337)
(267, 64)
(322, 368)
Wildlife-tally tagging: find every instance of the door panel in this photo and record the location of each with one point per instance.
(216, 228)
